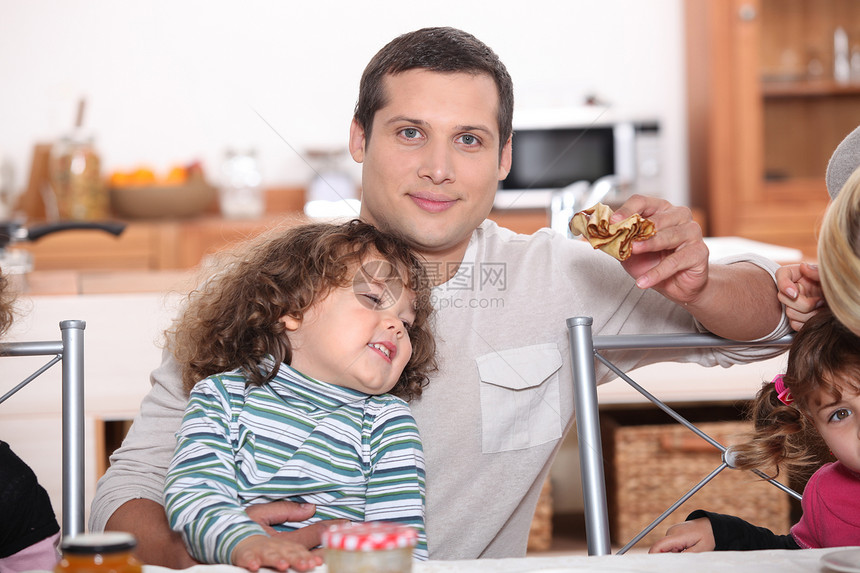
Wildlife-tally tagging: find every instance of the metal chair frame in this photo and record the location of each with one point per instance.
(69, 351)
(584, 349)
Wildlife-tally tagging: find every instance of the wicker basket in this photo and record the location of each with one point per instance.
(648, 468)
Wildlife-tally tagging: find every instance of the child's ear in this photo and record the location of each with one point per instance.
(291, 323)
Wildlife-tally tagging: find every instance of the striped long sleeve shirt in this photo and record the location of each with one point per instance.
(355, 456)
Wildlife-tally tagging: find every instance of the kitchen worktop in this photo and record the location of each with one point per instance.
(68, 282)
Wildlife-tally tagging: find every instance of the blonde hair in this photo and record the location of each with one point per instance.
(839, 254)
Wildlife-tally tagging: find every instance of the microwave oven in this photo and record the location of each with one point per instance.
(554, 150)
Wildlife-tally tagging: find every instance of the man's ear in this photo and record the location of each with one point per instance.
(291, 323)
(357, 141)
(505, 158)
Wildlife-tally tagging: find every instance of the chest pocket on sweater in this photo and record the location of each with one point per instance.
(520, 397)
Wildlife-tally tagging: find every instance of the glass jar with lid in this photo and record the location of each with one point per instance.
(109, 552)
(75, 174)
(373, 547)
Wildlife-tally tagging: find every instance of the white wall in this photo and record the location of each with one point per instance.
(170, 81)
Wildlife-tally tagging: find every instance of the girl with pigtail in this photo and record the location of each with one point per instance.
(814, 407)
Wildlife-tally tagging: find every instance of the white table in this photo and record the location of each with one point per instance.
(778, 561)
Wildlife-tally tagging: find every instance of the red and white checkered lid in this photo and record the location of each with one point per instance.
(369, 536)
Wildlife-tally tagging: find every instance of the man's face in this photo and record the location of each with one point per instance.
(432, 165)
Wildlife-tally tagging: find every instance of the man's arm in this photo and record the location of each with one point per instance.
(736, 301)
(157, 544)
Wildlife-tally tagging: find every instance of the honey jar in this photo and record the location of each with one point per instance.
(108, 552)
(75, 173)
(373, 547)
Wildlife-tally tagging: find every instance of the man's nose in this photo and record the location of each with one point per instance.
(437, 163)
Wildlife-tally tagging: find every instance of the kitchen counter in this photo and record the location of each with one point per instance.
(53, 283)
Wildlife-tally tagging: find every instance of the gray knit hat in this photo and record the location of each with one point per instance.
(843, 162)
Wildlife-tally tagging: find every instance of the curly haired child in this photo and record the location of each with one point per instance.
(815, 405)
(300, 356)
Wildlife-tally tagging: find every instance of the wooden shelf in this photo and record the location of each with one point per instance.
(761, 132)
(808, 88)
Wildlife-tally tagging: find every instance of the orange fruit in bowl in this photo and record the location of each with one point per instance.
(119, 179)
(143, 176)
(176, 176)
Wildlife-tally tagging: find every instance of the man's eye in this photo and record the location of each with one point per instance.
(469, 139)
(410, 133)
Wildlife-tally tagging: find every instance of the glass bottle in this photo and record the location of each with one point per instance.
(108, 552)
(240, 193)
(75, 174)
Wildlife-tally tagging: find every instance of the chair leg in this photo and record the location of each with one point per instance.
(588, 433)
(73, 426)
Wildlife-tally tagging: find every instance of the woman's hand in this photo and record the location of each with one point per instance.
(799, 289)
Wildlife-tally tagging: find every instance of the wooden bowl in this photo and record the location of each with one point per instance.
(162, 201)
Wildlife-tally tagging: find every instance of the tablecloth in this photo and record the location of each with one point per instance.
(776, 561)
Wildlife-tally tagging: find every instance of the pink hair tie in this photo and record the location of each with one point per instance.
(783, 393)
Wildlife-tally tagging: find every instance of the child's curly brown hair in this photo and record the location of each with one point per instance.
(7, 299)
(232, 320)
(823, 357)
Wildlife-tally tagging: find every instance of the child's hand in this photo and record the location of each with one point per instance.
(262, 551)
(694, 536)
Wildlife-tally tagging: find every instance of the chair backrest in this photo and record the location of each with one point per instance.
(69, 351)
(584, 349)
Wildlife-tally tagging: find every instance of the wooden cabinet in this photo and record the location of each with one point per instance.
(765, 113)
(149, 245)
(182, 244)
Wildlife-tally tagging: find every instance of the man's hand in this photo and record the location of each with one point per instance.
(268, 514)
(674, 262)
(800, 291)
(694, 536)
(157, 544)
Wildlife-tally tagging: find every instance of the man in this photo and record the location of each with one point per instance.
(432, 130)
